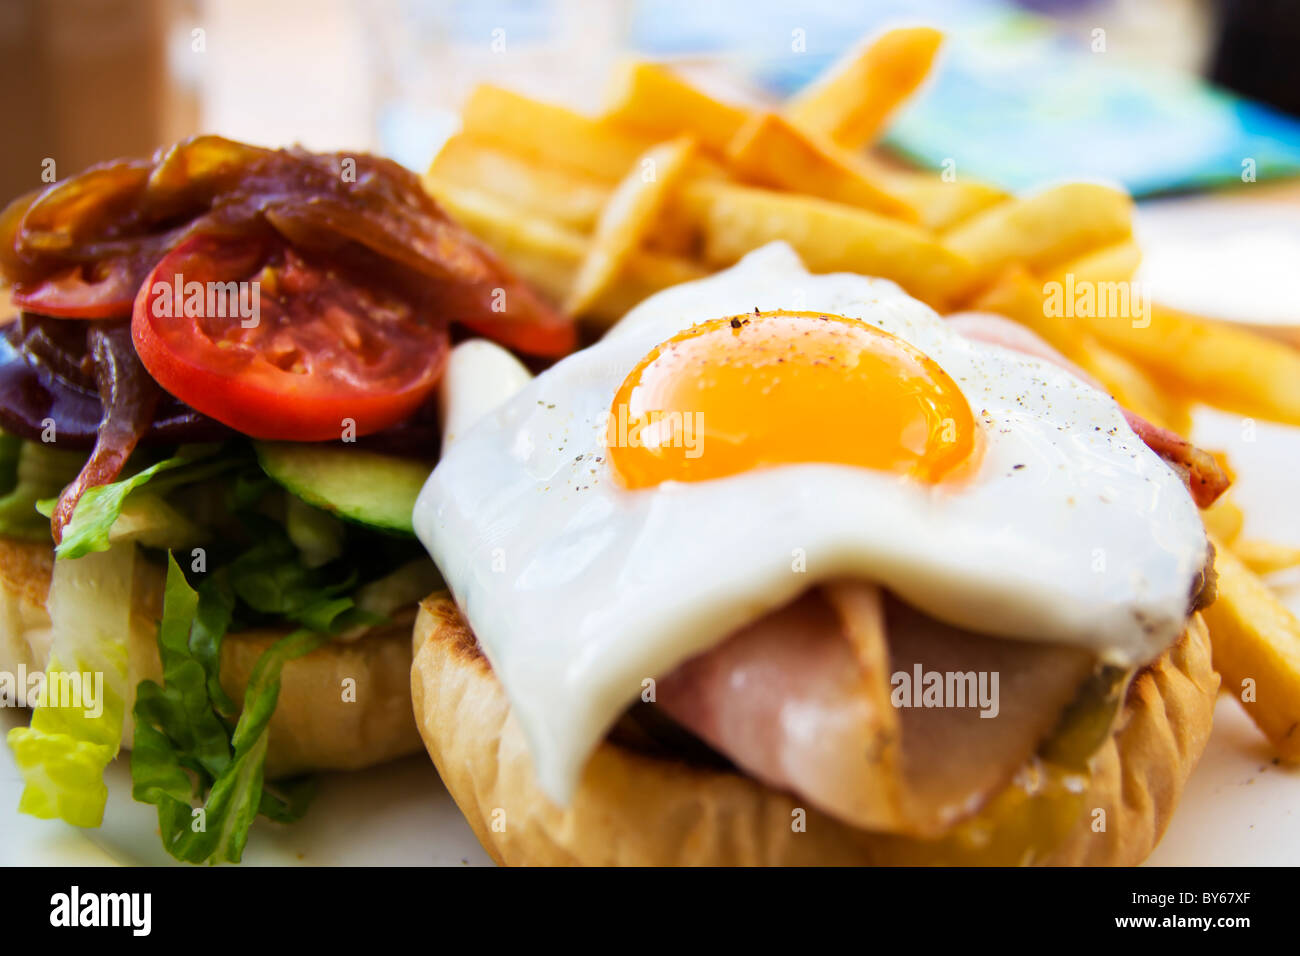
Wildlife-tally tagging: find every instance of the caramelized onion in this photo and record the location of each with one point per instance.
(47, 376)
(129, 398)
(95, 237)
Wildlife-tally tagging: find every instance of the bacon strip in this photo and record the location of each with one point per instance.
(1205, 479)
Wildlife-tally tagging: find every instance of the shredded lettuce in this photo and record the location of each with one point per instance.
(185, 750)
(273, 562)
(29, 472)
(77, 729)
(403, 587)
(317, 534)
(92, 524)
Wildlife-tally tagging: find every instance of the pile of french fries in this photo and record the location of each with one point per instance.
(669, 184)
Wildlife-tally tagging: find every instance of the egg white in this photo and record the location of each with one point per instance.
(581, 591)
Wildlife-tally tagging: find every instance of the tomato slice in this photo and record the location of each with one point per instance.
(527, 323)
(103, 291)
(278, 347)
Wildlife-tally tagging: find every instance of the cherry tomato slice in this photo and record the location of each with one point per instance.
(250, 333)
(103, 291)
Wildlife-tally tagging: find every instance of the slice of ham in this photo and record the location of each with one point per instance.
(801, 700)
(1204, 478)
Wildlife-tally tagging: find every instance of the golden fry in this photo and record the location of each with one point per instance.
(1257, 650)
(940, 205)
(540, 250)
(645, 274)
(769, 151)
(655, 101)
(851, 104)
(830, 237)
(550, 134)
(1049, 227)
(1266, 557)
(548, 255)
(1018, 295)
(570, 199)
(1113, 263)
(627, 218)
(1208, 361)
(1224, 520)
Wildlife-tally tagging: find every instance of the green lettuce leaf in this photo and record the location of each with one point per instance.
(76, 732)
(185, 751)
(100, 507)
(29, 472)
(271, 579)
(183, 704)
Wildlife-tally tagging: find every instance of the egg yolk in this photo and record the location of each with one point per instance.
(779, 388)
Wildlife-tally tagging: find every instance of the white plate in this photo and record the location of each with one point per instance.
(1226, 260)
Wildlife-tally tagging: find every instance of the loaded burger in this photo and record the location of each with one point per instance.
(217, 406)
(751, 583)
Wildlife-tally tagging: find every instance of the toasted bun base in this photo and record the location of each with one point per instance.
(631, 809)
(313, 728)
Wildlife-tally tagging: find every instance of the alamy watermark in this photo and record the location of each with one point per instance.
(656, 429)
(133, 911)
(178, 298)
(960, 689)
(82, 690)
(1084, 298)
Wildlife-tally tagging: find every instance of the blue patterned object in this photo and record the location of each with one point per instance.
(1014, 101)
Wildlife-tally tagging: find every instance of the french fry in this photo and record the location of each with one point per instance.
(830, 237)
(540, 250)
(570, 199)
(551, 134)
(549, 255)
(1266, 557)
(1052, 226)
(769, 151)
(1018, 295)
(627, 218)
(675, 233)
(851, 104)
(1212, 362)
(1257, 640)
(941, 206)
(645, 274)
(1113, 263)
(703, 166)
(654, 101)
(1224, 520)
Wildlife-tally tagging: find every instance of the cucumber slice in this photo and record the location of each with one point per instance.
(359, 486)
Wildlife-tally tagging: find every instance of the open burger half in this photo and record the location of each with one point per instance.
(788, 569)
(218, 403)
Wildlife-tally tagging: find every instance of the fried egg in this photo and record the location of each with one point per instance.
(738, 439)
